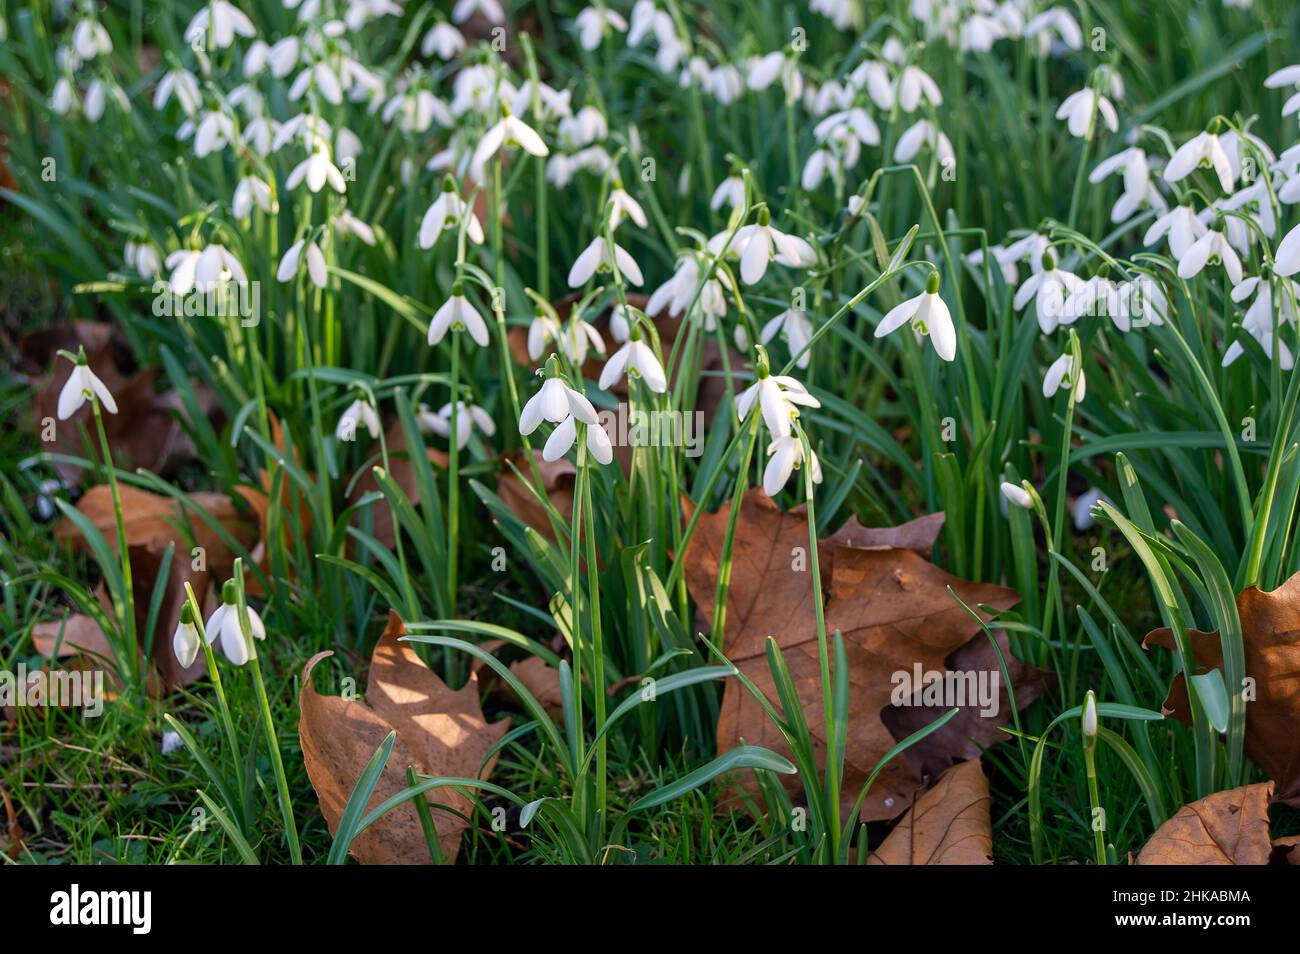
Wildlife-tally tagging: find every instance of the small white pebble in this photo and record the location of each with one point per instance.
(171, 741)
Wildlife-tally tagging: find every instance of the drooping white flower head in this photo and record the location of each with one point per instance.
(594, 22)
(1016, 494)
(185, 641)
(468, 417)
(223, 628)
(623, 205)
(924, 133)
(1053, 28)
(560, 404)
(1078, 108)
(444, 40)
(1062, 375)
(1047, 288)
(779, 398)
(359, 411)
(760, 243)
(636, 359)
(1182, 226)
(1205, 151)
(447, 212)
(1287, 260)
(217, 24)
(794, 326)
(509, 130)
(90, 39)
(597, 257)
(458, 314)
(315, 259)
(490, 9)
(785, 455)
(730, 191)
(252, 191)
(208, 269)
(81, 385)
(317, 170)
(928, 316)
(1212, 248)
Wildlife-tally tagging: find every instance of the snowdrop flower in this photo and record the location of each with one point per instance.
(1081, 509)
(457, 314)
(731, 191)
(844, 14)
(1028, 248)
(676, 293)
(468, 416)
(1061, 376)
(1286, 76)
(855, 120)
(1212, 248)
(725, 83)
(1139, 190)
(1287, 260)
(764, 71)
(447, 212)
(491, 9)
(759, 243)
(915, 85)
(928, 315)
(873, 76)
(82, 383)
(212, 133)
(223, 628)
(577, 337)
(208, 269)
(185, 641)
(218, 22)
(63, 100)
(597, 257)
(621, 204)
(182, 86)
(560, 404)
(316, 270)
(1077, 109)
(593, 22)
(1052, 27)
(1016, 494)
(794, 326)
(1259, 321)
(979, 33)
(359, 411)
(252, 191)
(924, 133)
(143, 257)
(90, 39)
(97, 95)
(1181, 225)
(1205, 151)
(778, 396)
(348, 224)
(583, 128)
(509, 130)
(444, 40)
(1094, 296)
(317, 170)
(1141, 299)
(321, 77)
(1047, 288)
(786, 453)
(638, 360)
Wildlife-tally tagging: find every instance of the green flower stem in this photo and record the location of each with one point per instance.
(273, 742)
(597, 638)
(223, 705)
(127, 621)
(718, 626)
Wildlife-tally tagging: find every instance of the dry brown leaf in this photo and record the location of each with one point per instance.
(1226, 828)
(948, 825)
(543, 682)
(891, 605)
(1286, 851)
(80, 637)
(918, 535)
(155, 519)
(1270, 629)
(402, 471)
(557, 480)
(439, 732)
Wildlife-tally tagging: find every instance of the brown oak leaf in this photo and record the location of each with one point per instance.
(892, 606)
(439, 732)
(557, 480)
(1226, 828)
(947, 825)
(1270, 630)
